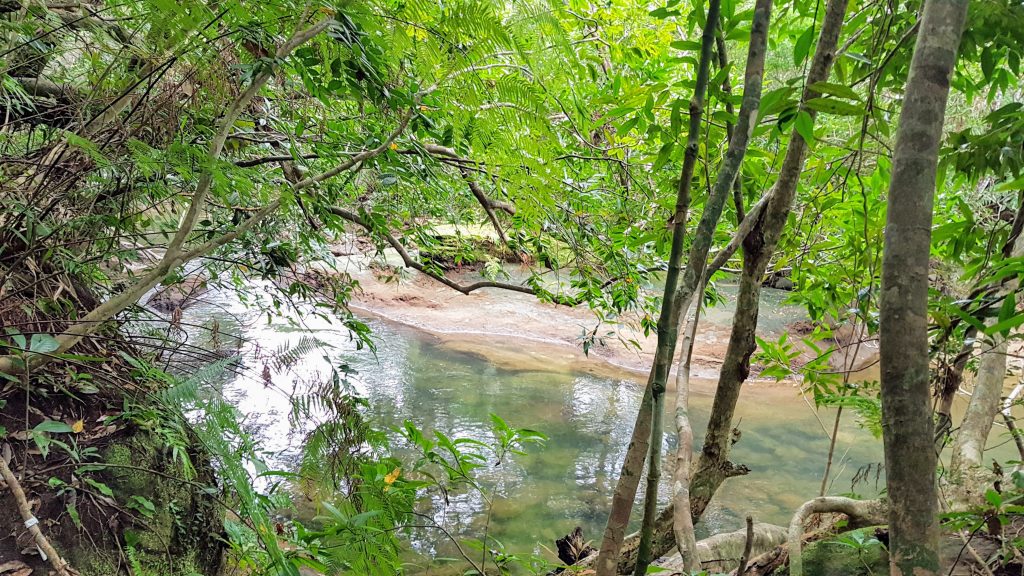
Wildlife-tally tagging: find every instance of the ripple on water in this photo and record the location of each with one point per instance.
(588, 418)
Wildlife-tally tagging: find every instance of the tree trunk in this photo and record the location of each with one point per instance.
(969, 445)
(695, 279)
(907, 427)
(984, 407)
(640, 441)
(682, 521)
(949, 377)
(714, 467)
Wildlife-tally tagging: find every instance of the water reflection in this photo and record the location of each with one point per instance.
(588, 418)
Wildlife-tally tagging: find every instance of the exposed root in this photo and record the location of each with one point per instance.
(872, 511)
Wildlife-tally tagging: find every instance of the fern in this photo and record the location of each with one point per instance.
(288, 355)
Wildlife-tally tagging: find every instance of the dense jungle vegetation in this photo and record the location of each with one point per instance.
(621, 157)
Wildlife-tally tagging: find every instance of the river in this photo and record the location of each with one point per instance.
(588, 417)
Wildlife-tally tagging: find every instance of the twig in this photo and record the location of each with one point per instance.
(31, 522)
(974, 555)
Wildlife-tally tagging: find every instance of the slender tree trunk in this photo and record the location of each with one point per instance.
(713, 466)
(695, 280)
(1011, 425)
(723, 63)
(949, 378)
(758, 233)
(969, 445)
(682, 521)
(640, 441)
(907, 427)
(984, 407)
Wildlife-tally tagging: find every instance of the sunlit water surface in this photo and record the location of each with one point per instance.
(568, 481)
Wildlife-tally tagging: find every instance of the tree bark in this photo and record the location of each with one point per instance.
(696, 278)
(640, 441)
(1011, 426)
(713, 466)
(984, 407)
(907, 427)
(682, 520)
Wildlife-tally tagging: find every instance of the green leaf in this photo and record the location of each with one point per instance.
(803, 46)
(627, 126)
(988, 61)
(833, 106)
(143, 505)
(977, 324)
(53, 427)
(835, 90)
(73, 513)
(43, 343)
(805, 127)
(676, 117)
(664, 155)
(18, 337)
(663, 12)
(87, 146)
(1005, 325)
(686, 45)
(103, 488)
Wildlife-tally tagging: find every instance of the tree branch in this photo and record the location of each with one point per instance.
(411, 262)
(31, 523)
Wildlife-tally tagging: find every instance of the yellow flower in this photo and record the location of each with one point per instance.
(391, 477)
(394, 146)
(78, 426)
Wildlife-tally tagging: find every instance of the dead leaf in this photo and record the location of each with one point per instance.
(78, 426)
(14, 565)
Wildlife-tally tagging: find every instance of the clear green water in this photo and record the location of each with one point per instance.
(567, 482)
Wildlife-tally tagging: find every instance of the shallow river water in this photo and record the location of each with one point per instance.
(567, 482)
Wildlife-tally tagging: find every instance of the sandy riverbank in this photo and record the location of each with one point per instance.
(517, 331)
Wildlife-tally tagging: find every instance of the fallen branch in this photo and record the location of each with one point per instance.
(31, 522)
(411, 262)
(716, 553)
(719, 553)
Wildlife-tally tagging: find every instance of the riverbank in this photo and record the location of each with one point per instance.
(491, 321)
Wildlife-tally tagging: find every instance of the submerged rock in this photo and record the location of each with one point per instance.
(180, 295)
